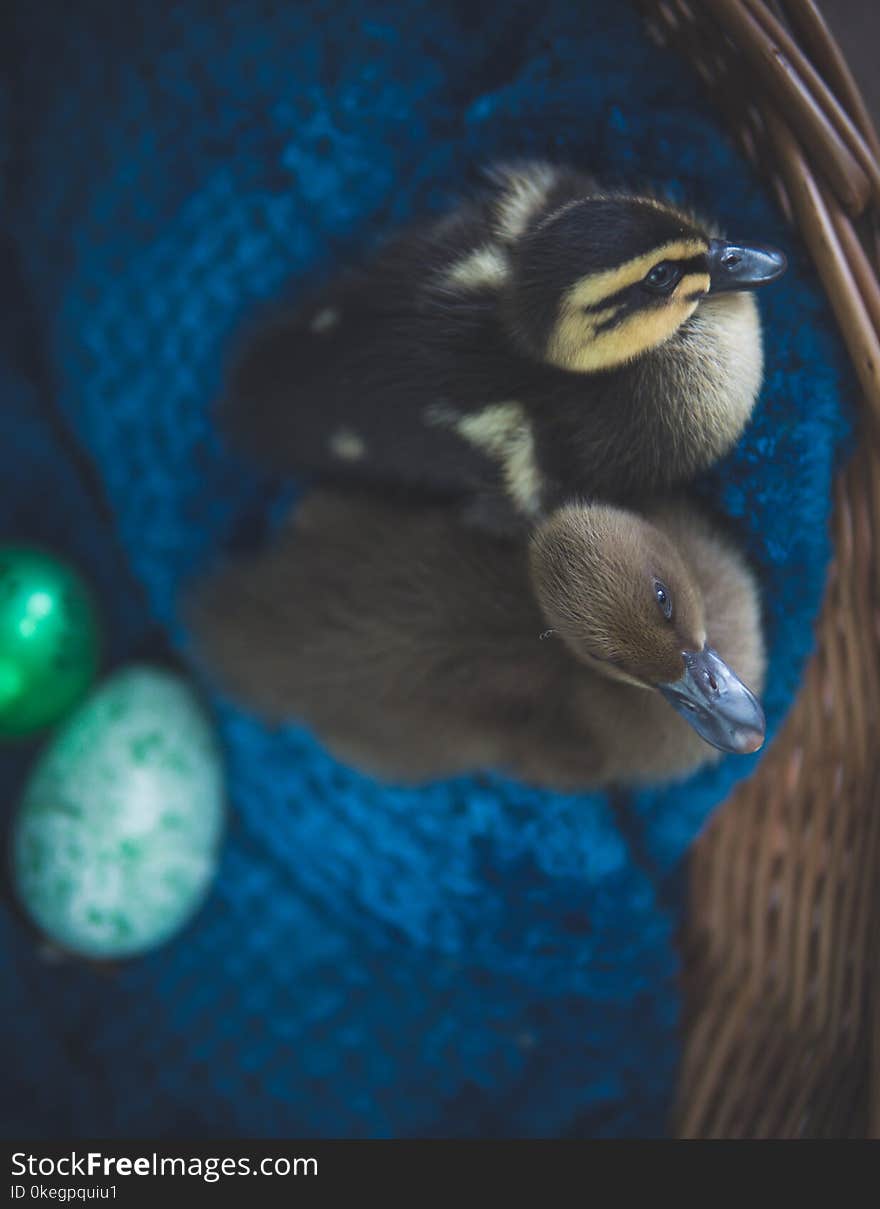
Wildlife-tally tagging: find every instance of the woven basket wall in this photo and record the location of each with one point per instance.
(782, 987)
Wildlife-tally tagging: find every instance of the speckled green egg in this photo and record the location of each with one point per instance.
(116, 839)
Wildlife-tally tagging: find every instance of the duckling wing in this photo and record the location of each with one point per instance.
(401, 641)
(369, 380)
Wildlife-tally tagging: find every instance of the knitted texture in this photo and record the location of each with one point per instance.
(474, 957)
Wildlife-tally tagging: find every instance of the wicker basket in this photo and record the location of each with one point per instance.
(783, 1021)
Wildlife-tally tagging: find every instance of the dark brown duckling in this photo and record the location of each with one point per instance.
(546, 341)
(416, 649)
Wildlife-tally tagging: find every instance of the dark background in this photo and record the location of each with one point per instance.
(856, 23)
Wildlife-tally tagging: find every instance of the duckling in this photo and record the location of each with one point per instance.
(545, 341)
(415, 648)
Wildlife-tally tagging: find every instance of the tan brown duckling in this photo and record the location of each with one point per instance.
(416, 649)
(545, 341)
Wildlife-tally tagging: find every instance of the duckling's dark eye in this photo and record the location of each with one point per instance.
(663, 278)
(664, 600)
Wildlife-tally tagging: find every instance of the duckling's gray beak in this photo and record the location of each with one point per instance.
(742, 266)
(716, 703)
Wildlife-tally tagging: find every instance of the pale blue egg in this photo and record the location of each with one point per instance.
(117, 836)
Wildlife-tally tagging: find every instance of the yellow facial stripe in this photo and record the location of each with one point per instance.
(590, 290)
(691, 283)
(595, 319)
(578, 346)
(638, 332)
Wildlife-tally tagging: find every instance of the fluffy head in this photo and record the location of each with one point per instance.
(618, 593)
(600, 280)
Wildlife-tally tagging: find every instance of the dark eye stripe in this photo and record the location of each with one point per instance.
(614, 299)
(693, 264)
(614, 321)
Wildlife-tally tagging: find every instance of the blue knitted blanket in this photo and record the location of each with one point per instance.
(474, 957)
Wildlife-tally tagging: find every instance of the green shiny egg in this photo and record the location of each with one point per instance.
(116, 839)
(49, 645)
